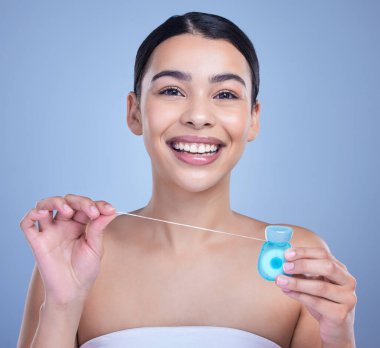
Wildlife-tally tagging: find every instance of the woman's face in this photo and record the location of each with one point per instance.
(195, 110)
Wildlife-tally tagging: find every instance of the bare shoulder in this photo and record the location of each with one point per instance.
(304, 237)
(249, 225)
(122, 227)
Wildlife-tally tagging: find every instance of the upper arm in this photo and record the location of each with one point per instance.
(34, 300)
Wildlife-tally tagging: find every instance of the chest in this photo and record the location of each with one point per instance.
(217, 288)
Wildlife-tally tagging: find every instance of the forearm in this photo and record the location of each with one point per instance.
(350, 343)
(345, 340)
(57, 326)
(342, 345)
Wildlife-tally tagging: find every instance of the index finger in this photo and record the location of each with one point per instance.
(82, 203)
(307, 253)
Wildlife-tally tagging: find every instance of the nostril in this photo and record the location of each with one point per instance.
(198, 125)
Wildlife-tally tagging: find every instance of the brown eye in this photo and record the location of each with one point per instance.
(171, 91)
(226, 95)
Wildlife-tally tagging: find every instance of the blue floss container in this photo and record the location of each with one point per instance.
(271, 258)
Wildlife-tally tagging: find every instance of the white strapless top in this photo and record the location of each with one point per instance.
(180, 337)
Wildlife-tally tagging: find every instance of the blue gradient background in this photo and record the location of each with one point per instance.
(66, 68)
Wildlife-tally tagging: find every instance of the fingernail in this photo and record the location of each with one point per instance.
(66, 207)
(109, 207)
(288, 266)
(282, 281)
(93, 209)
(42, 211)
(290, 253)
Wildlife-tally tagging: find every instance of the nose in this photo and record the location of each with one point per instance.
(198, 114)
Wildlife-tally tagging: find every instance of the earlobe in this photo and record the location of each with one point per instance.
(134, 114)
(255, 124)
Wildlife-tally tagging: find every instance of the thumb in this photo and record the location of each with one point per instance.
(94, 232)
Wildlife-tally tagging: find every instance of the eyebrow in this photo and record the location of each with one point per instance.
(225, 77)
(180, 75)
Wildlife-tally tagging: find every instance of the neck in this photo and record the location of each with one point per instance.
(209, 208)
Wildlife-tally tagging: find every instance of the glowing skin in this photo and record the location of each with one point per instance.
(194, 109)
(182, 98)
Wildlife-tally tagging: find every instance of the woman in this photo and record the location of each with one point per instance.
(109, 280)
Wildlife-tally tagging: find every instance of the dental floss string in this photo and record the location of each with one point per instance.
(190, 226)
(272, 253)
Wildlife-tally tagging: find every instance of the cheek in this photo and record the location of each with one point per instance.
(155, 117)
(237, 124)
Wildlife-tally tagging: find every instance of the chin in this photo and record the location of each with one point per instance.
(197, 184)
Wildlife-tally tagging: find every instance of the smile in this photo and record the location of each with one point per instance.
(196, 150)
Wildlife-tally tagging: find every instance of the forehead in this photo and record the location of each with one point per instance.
(198, 56)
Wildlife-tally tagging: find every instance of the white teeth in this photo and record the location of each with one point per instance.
(195, 147)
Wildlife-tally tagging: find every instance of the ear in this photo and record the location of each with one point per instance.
(134, 114)
(255, 124)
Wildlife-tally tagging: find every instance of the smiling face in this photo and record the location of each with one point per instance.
(194, 111)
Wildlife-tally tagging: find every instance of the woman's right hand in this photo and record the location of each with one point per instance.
(67, 247)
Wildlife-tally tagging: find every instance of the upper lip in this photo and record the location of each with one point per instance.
(195, 139)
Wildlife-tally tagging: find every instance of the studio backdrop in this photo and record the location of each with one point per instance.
(67, 66)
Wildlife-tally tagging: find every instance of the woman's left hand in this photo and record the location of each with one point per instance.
(326, 288)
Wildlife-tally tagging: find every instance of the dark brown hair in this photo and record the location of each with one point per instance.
(209, 26)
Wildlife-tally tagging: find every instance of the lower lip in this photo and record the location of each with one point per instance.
(196, 159)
